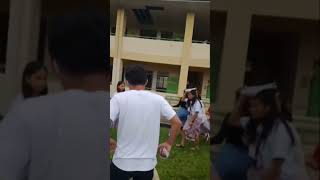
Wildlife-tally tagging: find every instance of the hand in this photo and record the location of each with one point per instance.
(113, 145)
(165, 145)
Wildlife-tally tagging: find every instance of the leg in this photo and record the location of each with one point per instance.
(196, 142)
(183, 137)
(116, 173)
(147, 175)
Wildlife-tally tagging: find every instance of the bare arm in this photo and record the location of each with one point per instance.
(194, 117)
(234, 119)
(174, 130)
(273, 173)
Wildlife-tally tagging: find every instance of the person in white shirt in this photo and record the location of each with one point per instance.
(273, 142)
(196, 117)
(138, 113)
(64, 136)
(34, 82)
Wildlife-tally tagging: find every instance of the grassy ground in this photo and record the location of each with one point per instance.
(183, 164)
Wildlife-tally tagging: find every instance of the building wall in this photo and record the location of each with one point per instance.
(308, 52)
(284, 8)
(172, 71)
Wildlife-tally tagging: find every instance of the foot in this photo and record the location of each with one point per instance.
(180, 145)
(207, 136)
(195, 148)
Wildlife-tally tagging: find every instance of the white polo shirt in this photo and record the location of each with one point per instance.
(278, 146)
(138, 114)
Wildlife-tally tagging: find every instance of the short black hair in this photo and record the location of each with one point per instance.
(136, 75)
(30, 69)
(78, 41)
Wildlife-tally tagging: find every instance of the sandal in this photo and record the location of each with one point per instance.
(195, 148)
(179, 145)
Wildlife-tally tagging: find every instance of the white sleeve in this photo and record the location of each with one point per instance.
(167, 111)
(197, 107)
(114, 109)
(281, 142)
(15, 145)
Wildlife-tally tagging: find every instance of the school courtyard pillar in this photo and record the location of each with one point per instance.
(186, 53)
(117, 61)
(22, 47)
(234, 56)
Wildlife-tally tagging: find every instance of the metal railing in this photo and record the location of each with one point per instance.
(177, 39)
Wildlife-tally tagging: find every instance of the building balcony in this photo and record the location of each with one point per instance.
(161, 51)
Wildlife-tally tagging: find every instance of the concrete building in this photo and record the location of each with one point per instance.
(170, 38)
(285, 34)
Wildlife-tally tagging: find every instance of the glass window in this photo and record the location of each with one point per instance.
(148, 33)
(162, 81)
(150, 77)
(166, 35)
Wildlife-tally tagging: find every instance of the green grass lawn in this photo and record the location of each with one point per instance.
(183, 163)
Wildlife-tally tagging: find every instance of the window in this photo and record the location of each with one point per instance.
(162, 81)
(166, 35)
(149, 77)
(113, 30)
(148, 33)
(4, 25)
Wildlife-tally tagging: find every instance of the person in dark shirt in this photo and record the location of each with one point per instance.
(233, 160)
(182, 114)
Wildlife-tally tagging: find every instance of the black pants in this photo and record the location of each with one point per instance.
(118, 174)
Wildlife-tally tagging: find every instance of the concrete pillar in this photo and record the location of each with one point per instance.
(154, 80)
(234, 56)
(186, 53)
(205, 80)
(22, 47)
(117, 61)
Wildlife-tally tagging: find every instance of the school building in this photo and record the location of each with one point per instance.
(285, 35)
(169, 38)
(280, 37)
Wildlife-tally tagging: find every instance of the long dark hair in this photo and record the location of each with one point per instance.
(29, 70)
(192, 101)
(118, 84)
(268, 98)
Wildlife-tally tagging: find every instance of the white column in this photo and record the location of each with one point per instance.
(22, 47)
(186, 53)
(234, 56)
(205, 79)
(154, 80)
(117, 61)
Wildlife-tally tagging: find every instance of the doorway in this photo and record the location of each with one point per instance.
(195, 80)
(272, 56)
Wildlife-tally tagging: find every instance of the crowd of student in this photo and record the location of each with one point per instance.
(191, 112)
(259, 141)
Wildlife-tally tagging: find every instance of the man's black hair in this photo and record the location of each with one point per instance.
(136, 75)
(78, 42)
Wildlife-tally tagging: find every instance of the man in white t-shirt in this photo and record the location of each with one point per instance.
(64, 136)
(138, 113)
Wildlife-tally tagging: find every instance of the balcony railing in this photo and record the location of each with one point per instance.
(177, 39)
